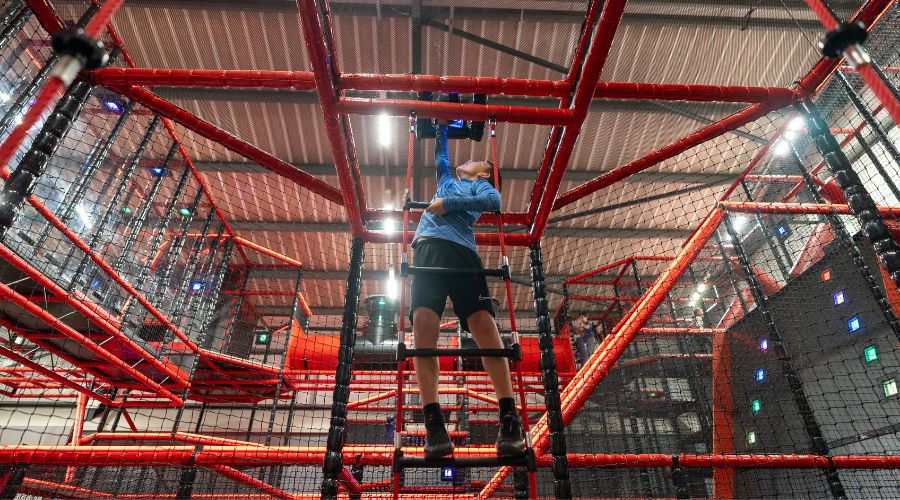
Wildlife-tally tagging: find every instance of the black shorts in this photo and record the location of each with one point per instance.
(468, 292)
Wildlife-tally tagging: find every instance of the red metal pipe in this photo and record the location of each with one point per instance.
(46, 15)
(593, 272)
(593, 65)
(320, 58)
(236, 475)
(77, 431)
(267, 251)
(617, 174)
(168, 110)
(487, 218)
(256, 456)
(303, 80)
(487, 239)
(52, 375)
(48, 489)
(451, 110)
(799, 208)
(54, 322)
(722, 408)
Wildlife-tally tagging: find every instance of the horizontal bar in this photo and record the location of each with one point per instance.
(799, 208)
(452, 110)
(489, 239)
(520, 218)
(257, 456)
(303, 80)
(502, 272)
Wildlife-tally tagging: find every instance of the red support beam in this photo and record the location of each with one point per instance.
(382, 455)
(800, 208)
(716, 129)
(325, 70)
(303, 80)
(52, 375)
(722, 407)
(590, 74)
(205, 129)
(236, 475)
(452, 110)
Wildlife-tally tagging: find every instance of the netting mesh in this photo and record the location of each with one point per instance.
(187, 305)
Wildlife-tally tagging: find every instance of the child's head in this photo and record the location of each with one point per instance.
(474, 169)
(582, 317)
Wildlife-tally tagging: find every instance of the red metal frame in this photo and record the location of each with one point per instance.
(567, 120)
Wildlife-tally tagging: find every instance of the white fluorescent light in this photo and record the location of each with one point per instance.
(384, 129)
(389, 226)
(796, 124)
(701, 287)
(739, 222)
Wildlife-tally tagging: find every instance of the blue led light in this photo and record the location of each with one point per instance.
(95, 282)
(854, 324)
(447, 473)
(760, 375)
(457, 123)
(196, 286)
(112, 106)
(839, 298)
(764, 345)
(157, 171)
(782, 230)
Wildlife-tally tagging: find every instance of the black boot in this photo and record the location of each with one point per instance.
(437, 440)
(509, 439)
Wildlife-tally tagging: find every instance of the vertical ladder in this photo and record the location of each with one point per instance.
(513, 352)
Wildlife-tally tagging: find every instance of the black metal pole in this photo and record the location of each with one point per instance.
(776, 342)
(13, 25)
(24, 178)
(333, 464)
(66, 210)
(858, 198)
(137, 223)
(36, 83)
(561, 486)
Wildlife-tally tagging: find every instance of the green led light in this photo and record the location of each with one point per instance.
(184, 211)
(126, 210)
(755, 406)
(263, 338)
(751, 437)
(870, 354)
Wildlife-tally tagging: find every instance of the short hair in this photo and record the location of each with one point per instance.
(499, 183)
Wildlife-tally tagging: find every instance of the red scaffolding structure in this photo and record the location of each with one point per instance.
(160, 384)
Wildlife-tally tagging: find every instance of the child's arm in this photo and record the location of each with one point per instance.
(486, 199)
(441, 155)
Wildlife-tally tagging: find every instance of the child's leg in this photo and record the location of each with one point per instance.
(426, 327)
(484, 331)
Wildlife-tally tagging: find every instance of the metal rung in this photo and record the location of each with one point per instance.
(527, 460)
(512, 352)
(407, 270)
(419, 205)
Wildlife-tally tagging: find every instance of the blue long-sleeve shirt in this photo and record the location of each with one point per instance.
(464, 201)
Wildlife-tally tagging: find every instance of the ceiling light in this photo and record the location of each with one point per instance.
(701, 287)
(384, 129)
(782, 147)
(389, 226)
